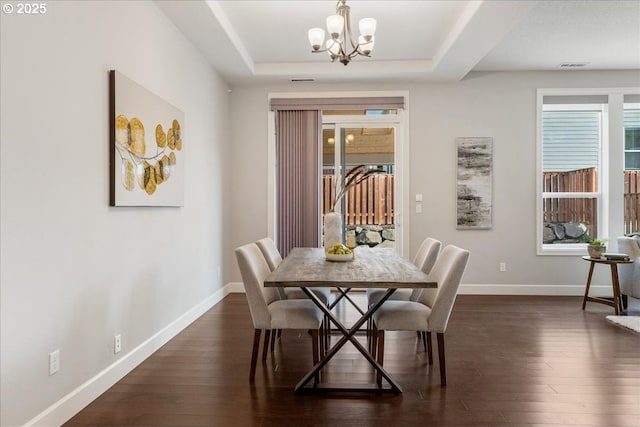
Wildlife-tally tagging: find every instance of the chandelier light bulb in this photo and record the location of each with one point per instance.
(316, 38)
(333, 47)
(335, 24)
(366, 46)
(367, 28)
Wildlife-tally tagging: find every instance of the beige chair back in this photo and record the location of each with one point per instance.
(254, 269)
(270, 252)
(425, 259)
(448, 271)
(629, 274)
(272, 256)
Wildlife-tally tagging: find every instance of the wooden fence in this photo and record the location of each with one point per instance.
(631, 202)
(585, 209)
(370, 202)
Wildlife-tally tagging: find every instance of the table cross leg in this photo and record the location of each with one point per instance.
(348, 335)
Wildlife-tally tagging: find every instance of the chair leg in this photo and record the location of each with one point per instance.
(315, 339)
(265, 344)
(374, 341)
(443, 369)
(326, 333)
(321, 339)
(254, 353)
(625, 301)
(273, 339)
(427, 335)
(380, 354)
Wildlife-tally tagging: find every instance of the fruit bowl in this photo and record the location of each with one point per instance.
(338, 252)
(339, 257)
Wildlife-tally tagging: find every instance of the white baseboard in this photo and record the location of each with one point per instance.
(235, 287)
(551, 290)
(61, 411)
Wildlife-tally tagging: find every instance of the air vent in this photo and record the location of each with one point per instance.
(573, 64)
(301, 80)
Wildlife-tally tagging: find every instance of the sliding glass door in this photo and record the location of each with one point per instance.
(368, 209)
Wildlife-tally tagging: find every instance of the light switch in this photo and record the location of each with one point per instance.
(418, 207)
(418, 197)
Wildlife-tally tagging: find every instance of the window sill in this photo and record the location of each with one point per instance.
(562, 250)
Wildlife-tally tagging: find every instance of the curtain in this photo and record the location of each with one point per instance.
(298, 136)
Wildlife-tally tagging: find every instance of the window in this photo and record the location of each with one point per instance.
(588, 167)
(572, 136)
(631, 168)
(632, 137)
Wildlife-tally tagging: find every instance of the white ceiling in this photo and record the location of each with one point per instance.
(259, 41)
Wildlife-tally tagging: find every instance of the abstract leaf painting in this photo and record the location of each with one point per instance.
(474, 183)
(146, 147)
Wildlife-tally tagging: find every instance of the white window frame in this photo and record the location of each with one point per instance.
(571, 248)
(611, 212)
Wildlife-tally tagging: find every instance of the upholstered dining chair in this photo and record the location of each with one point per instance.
(273, 258)
(430, 313)
(424, 259)
(270, 312)
(629, 274)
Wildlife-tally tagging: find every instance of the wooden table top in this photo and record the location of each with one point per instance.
(371, 268)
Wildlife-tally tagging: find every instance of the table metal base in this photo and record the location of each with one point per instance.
(348, 335)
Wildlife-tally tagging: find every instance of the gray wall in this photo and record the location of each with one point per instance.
(75, 272)
(500, 105)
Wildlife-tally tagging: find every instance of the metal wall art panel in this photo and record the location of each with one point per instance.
(474, 183)
(146, 147)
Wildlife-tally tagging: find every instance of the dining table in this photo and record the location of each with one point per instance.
(307, 268)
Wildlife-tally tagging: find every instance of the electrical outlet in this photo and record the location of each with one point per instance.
(418, 207)
(503, 267)
(54, 362)
(117, 344)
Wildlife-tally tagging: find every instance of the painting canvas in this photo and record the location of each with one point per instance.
(475, 178)
(146, 146)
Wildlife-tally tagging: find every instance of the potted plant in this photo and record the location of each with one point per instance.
(596, 247)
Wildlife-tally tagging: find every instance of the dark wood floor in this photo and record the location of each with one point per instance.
(511, 361)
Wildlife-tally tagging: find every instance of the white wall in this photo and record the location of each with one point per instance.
(500, 105)
(75, 272)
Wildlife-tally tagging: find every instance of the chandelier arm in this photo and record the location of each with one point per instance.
(347, 29)
(333, 57)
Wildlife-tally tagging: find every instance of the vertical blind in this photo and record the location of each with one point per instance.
(297, 179)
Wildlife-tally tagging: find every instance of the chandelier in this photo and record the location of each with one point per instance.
(341, 45)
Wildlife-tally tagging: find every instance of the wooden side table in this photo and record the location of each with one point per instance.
(616, 301)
